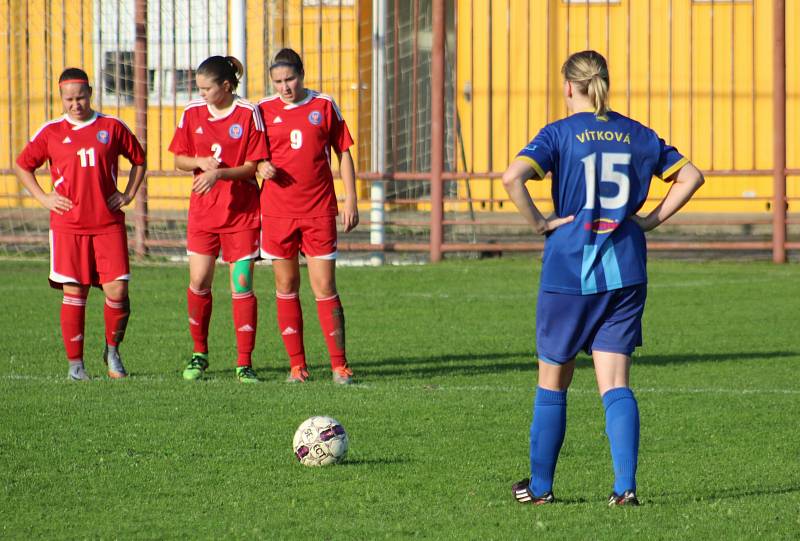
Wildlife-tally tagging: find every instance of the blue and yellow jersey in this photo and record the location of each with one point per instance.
(601, 169)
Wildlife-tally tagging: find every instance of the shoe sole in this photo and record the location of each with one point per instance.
(117, 375)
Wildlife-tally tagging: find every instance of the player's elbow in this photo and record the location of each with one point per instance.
(511, 180)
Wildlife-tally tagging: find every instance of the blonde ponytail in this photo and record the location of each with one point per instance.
(588, 72)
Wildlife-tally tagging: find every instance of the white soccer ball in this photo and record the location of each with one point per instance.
(320, 441)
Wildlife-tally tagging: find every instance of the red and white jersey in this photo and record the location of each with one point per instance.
(233, 139)
(84, 164)
(301, 136)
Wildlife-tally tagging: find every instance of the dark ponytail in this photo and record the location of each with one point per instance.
(288, 57)
(222, 68)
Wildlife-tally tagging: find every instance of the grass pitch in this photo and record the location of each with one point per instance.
(438, 422)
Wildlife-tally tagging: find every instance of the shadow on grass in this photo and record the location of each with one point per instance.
(720, 494)
(360, 462)
(475, 364)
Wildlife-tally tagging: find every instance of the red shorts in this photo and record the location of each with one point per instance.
(235, 246)
(88, 259)
(282, 238)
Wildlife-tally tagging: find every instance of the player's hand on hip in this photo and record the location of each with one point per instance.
(56, 202)
(208, 163)
(554, 223)
(266, 170)
(203, 182)
(117, 201)
(643, 223)
(350, 215)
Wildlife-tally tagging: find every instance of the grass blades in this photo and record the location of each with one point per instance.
(438, 420)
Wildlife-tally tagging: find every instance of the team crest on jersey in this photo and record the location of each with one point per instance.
(235, 131)
(315, 118)
(102, 136)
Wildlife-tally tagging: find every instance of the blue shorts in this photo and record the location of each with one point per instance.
(610, 321)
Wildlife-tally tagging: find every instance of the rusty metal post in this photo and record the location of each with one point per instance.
(140, 104)
(437, 129)
(779, 202)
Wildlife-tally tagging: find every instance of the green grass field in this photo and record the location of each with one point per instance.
(438, 422)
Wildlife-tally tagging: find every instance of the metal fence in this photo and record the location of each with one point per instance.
(440, 95)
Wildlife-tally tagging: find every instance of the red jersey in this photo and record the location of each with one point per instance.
(233, 139)
(84, 160)
(300, 137)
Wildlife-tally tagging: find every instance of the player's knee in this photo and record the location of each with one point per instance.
(242, 276)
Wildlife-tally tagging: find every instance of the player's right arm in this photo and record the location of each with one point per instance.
(189, 163)
(33, 156)
(514, 179)
(51, 201)
(686, 181)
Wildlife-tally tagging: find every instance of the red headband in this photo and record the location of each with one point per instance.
(68, 81)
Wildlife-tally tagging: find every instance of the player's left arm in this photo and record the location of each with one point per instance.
(132, 150)
(514, 179)
(135, 178)
(203, 182)
(348, 172)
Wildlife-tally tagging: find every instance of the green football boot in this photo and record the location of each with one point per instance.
(246, 374)
(196, 367)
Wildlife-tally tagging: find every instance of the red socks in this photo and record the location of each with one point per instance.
(331, 319)
(290, 325)
(116, 315)
(73, 318)
(199, 303)
(245, 317)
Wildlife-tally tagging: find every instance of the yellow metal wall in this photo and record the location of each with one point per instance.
(530, 41)
(632, 35)
(32, 105)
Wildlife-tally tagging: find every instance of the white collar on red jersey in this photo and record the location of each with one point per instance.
(310, 94)
(78, 125)
(225, 113)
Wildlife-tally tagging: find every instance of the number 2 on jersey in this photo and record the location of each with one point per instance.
(607, 174)
(216, 148)
(87, 157)
(296, 139)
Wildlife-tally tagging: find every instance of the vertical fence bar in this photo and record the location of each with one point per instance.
(711, 86)
(437, 128)
(414, 86)
(490, 111)
(10, 139)
(395, 81)
(140, 104)
(649, 60)
(669, 88)
(779, 133)
(753, 81)
(733, 86)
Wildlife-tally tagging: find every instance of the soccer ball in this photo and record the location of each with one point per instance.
(320, 441)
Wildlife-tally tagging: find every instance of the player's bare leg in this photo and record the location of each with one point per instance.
(622, 423)
(73, 314)
(116, 313)
(199, 300)
(322, 274)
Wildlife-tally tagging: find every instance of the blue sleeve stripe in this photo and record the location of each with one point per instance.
(536, 167)
(673, 168)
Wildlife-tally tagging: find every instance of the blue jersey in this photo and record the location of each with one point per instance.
(601, 170)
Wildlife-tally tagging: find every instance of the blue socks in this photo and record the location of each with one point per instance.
(547, 434)
(622, 428)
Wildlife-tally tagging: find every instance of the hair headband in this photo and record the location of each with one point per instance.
(68, 81)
